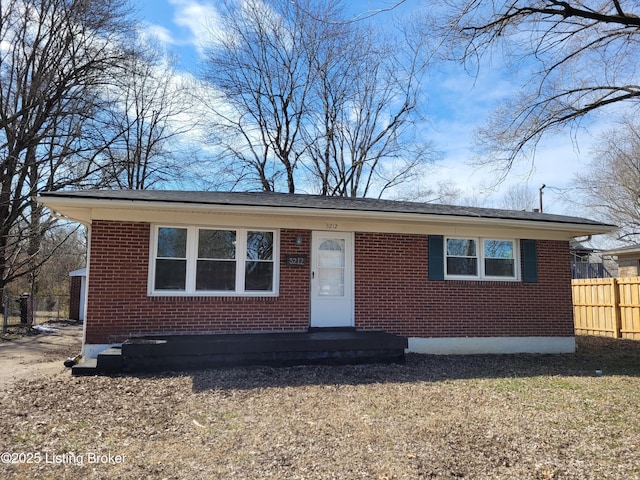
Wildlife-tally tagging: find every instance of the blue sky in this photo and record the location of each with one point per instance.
(457, 104)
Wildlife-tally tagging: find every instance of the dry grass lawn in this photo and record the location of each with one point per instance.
(472, 417)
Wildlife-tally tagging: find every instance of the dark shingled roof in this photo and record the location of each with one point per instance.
(315, 202)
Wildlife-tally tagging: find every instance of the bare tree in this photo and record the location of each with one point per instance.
(53, 60)
(520, 197)
(582, 57)
(262, 74)
(145, 121)
(367, 101)
(62, 249)
(442, 192)
(610, 185)
(308, 97)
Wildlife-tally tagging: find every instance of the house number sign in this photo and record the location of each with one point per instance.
(295, 260)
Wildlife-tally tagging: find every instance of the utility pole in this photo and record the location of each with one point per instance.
(540, 195)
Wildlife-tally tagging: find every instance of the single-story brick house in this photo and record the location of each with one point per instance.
(450, 279)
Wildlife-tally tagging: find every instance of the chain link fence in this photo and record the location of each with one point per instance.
(27, 311)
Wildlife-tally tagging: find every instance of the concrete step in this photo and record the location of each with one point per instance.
(85, 367)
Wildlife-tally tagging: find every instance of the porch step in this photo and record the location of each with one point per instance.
(317, 346)
(184, 352)
(107, 361)
(110, 360)
(273, 359)
(85, 367)
(331, 329)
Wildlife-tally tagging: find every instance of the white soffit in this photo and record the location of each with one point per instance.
(85, 210)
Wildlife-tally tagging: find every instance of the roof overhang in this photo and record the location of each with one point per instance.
(86, 210)
(623, 252)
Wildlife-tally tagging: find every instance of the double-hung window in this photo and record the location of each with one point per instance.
(462, 257)
(481, 258)
(213, 261)
(171, 259)
(499, 259)
(216, 260)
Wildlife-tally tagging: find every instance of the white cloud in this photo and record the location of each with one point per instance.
(198, 18)
(459, 104)
(161, 33)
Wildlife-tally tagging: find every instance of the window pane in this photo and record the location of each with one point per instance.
(461, 247)
(331, 267)
(258, 276)
(331, 254)
(499, 261)
(259, 245)
(331, 282)
(170, 274)
(172, 242)
(494, 267)
(217, 244)
(498, 249)
(462, 266)
(216, 275)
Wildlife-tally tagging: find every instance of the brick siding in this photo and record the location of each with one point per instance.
(391, 293)
(119, 306)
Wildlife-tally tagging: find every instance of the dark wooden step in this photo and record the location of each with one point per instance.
(183, 352)
(85, 367)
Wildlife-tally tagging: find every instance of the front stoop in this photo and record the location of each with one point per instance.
(108, 361)
(185, 352)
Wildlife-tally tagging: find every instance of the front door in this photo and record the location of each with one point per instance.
(332, 279)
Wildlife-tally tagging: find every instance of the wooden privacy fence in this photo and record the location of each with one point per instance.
(607, 307)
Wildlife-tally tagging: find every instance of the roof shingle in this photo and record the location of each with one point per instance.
(283, 200)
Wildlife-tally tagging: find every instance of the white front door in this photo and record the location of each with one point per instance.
(332, 279)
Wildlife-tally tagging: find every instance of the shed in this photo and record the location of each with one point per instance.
(78, 286)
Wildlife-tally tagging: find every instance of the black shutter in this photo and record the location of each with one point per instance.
(529, 261)
(436, 257)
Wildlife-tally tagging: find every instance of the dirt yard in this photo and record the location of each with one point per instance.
(473, 417)
(37, 355)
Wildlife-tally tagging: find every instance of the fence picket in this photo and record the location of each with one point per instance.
(615, 306)
(607, 307)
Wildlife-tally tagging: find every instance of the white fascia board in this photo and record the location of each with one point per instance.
(86, 210)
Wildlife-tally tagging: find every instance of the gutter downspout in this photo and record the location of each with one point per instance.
(71, 361)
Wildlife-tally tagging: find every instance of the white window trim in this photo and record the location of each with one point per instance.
(480, 256)
(192, 258)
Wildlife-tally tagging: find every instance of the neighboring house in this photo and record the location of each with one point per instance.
(450, 279)
(628, 260)
(587, 262)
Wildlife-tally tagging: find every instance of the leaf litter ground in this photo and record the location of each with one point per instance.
(435, 417)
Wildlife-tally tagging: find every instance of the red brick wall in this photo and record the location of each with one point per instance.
(118, 304)
(393, 293)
